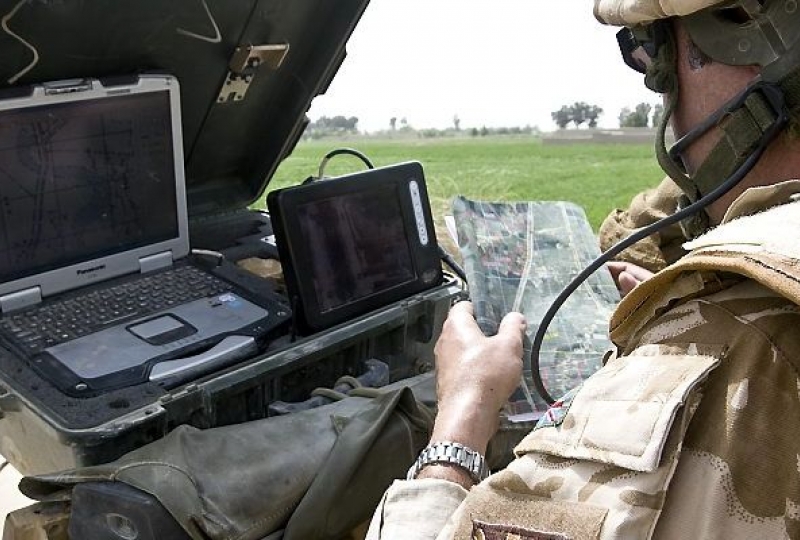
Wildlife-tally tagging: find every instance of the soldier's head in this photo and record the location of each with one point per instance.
(730, 74)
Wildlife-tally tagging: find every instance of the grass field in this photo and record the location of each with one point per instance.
(597, 177)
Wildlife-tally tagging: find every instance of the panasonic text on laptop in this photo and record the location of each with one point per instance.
(96, 290)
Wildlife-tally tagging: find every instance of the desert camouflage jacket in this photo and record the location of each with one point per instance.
(658, 250)
(691, 431)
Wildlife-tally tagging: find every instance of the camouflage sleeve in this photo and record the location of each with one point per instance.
(659, 249)
(417, 509)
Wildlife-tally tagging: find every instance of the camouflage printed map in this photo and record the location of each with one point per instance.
(518, 256)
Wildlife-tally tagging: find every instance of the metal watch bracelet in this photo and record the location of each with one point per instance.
(452, 453)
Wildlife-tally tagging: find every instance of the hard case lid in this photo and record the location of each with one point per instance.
(248, 71)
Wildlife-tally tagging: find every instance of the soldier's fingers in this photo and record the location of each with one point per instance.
(512, 327)
(461, 321)
(464, 308)
(616, 268)
(513, 323)
(626, 283)
(638, 273)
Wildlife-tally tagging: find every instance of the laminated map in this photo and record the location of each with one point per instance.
(518, 256)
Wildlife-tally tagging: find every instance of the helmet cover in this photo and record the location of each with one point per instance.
(635, 12)
(750, 32)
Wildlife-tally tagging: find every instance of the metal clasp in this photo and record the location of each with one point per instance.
(243, 66)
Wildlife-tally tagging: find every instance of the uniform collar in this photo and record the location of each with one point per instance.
(758, 199)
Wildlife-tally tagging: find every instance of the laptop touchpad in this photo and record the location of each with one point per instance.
(162, 330)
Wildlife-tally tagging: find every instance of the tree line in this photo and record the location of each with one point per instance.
(580, 112)
(331, 125)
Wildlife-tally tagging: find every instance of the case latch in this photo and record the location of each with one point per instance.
(243, 66)
(8, 402)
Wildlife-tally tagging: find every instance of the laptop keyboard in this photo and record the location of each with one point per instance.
(60, 321)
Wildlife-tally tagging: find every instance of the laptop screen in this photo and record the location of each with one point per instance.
(84, 179)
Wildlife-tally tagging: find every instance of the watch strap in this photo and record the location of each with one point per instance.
(454, 454)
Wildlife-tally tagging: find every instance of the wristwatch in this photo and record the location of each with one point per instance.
(452, 453)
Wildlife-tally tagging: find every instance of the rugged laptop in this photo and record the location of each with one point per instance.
(96, 287)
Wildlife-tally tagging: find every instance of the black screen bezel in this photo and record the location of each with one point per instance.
(296, 257)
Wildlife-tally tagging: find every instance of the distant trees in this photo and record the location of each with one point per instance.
(515, 130)
(401, 127)
(639, 117)
(335, 125)
(562, 117)
(592, 113)
(658, 112)
(578, 113)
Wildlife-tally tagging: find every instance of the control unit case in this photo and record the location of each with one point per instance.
(248, 72)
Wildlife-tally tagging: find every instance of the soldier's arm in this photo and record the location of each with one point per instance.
(475, 375)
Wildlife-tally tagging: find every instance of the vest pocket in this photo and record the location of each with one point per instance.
(502, 515)
(613, 456)
(623, 414)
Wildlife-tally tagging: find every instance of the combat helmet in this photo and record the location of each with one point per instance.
(765, 33)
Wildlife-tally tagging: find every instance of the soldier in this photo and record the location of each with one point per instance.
(692, 429)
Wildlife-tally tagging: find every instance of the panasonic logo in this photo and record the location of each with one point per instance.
(97, 268)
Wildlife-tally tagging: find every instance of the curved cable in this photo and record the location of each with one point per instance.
(4, 24)
(617, 248)
(342, 151)
(452, 263)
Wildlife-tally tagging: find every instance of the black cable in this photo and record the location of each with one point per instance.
(617, 248)
(453, 264)
(339, 152)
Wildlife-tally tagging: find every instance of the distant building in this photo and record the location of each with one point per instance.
(603, 136)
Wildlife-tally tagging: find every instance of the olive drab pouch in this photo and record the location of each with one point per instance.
(312, 474)
(601, 471)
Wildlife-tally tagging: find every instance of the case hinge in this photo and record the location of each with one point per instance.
(244, 64)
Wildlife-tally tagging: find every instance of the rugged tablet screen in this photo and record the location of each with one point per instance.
(355, 243)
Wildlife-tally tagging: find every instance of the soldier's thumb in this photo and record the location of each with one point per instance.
(513, 325)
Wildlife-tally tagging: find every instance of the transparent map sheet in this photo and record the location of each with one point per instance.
(518, 256)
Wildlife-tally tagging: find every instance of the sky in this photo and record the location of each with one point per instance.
(490, 62)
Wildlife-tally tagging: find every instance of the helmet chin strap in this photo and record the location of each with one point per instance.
(746, 121)
(662, 78)
(695, 224)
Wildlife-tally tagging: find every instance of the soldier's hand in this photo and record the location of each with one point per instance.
(475, 376)
(627, 275)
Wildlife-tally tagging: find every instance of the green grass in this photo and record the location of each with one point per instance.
(596, 177)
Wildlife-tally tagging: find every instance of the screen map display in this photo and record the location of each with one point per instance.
(84, 179)
(359, 245)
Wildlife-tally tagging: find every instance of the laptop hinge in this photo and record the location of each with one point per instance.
(20, 299)
(154, 262)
